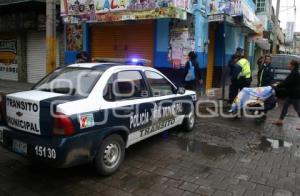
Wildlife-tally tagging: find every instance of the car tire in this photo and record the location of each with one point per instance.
(188, 122)
(110, 155)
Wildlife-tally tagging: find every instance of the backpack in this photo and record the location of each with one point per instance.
(190, 76)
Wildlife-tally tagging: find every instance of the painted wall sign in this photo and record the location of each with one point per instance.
(230, 7)
(74, 37)
(97, 10)
(8, 59)
(123, 16)
(8, 46)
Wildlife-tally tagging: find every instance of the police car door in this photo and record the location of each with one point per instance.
(168, 111)
(132, 103)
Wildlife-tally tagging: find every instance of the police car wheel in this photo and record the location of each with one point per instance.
(110, 155)
(189, 122)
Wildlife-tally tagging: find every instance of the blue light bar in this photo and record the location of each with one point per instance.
(134, 60)
(130, 61)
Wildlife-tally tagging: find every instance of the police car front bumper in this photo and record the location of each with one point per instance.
(50, 150)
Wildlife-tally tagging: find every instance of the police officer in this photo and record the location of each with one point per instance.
(266, 73)
(241, 76)
(245, 76)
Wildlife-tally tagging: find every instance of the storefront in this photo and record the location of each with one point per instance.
(137, 29)
(23, 41)
(123, 41)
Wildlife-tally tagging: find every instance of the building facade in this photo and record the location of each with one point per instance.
(23, 40)
(231, 24)
(162, 31)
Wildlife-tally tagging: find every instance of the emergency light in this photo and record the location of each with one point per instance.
(127, 61)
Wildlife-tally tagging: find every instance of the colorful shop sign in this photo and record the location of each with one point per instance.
(93, 10)
(123, 16)
(235, 8)
(230, 7)
(8, 59)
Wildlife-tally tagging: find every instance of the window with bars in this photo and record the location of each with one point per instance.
(261, 5)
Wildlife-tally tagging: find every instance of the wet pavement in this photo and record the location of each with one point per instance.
(220, 157)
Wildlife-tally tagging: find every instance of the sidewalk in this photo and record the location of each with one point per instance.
(11, 86)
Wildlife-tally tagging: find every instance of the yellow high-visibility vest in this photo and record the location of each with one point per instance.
(246, 68)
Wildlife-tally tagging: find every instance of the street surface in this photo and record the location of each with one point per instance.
(220, 157)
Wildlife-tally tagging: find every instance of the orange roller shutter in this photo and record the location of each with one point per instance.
(123, 41)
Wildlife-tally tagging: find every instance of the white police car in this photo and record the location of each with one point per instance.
(91, 112)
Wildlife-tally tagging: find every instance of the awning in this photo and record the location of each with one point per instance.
(8, 2)
(236, 9)
(121, 10)
(260, 42)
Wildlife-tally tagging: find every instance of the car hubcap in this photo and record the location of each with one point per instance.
(112, 155)
(191, 119)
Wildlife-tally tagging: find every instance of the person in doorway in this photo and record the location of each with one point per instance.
(291, 85)
(266, 73)
(192, 76)
(81, 57)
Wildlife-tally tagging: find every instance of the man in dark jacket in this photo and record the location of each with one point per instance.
(291, 85)
(234, 72)
(266, 73)
(192, 76)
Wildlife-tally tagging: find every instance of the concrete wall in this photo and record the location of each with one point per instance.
(234, 39)
(201, 36)
(161, 44)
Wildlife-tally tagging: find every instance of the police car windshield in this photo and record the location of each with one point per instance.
(70, 80)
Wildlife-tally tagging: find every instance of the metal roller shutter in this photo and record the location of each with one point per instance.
(123, 41)
(36, 56)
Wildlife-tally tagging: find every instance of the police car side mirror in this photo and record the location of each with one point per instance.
(180, 90)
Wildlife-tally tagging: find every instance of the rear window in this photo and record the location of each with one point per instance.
(282, 61)
(70, 80)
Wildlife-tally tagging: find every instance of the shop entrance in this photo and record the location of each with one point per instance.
(123, 41)
(211, 56)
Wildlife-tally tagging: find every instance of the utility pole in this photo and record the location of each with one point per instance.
(276, 27)
(51, 35)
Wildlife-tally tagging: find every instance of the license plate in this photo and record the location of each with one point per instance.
(19, 147)
(1, 135)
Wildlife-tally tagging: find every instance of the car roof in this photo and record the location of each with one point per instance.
(105, 66)
(88, 65)
(285, 55)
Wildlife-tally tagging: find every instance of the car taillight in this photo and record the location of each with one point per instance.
(62, 125)
(2, 108)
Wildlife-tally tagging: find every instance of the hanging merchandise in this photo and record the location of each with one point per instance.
(74, 37)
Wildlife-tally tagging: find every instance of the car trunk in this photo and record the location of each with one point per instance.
(26, 112)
